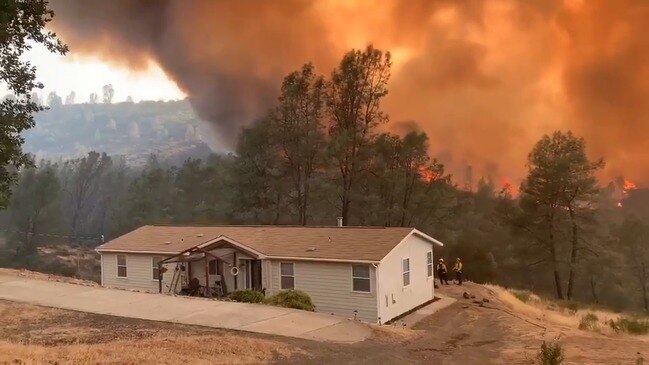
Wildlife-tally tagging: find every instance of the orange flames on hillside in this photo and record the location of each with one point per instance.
(628, 185)
(425, 174)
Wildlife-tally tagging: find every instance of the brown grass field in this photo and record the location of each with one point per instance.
(503, 330)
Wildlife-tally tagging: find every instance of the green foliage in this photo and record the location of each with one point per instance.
(522, 295)
(247, 296)
(636, 326)
(589, 322)
(292, 299)
(23, 25)
(550, 354)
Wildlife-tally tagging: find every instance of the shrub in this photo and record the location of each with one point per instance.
(522, 295)
(550, 354)
(634, 326)
(588, 322)
(247, 296)
(292, 299)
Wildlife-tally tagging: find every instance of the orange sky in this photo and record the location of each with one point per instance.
(484, 79)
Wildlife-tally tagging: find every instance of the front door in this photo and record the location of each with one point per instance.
(255, 275)
(252, 272)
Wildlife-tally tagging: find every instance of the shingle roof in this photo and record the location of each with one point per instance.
(336, 243)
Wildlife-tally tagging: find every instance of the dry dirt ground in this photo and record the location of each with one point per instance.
(501, 331)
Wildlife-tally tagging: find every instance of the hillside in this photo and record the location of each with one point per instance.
(133, 130)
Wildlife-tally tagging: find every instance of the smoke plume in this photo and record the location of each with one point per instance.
(484, 79)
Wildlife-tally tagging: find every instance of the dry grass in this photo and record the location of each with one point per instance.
(549, 311)
(387, 333)
(229, 349)
(32, 335)
(41, 276)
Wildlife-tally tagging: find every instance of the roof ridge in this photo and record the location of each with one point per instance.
(267, 226)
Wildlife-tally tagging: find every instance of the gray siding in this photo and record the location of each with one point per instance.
(139, 272)
(330, 288)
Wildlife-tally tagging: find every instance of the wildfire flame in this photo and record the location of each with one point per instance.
(628, 185)
(507, 186)
(425, 174)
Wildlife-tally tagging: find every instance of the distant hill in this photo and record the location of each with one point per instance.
(135, 130)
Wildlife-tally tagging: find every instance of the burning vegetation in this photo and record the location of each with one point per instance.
(484, 79)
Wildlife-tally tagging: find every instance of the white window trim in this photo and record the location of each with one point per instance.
(403, 272)
(280, 276)
(351, 267)
(431, 265)
(117, 265)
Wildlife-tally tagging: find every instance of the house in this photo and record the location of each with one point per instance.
(369, 273)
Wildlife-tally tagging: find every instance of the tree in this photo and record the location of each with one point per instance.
(108, 92)
(23, 24)
(579, 196)
(560, 180)
(36, 192)
(53, 100)
(69, 100)
(93, 98)
(353, 99)
(633, 237)
(37, 98)
(297, 130)
(260, 194)
(85, 175)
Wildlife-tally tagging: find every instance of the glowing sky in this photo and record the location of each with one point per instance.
(85, 75)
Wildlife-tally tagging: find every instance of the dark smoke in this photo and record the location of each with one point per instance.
(484, 79)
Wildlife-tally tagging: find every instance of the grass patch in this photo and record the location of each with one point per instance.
(589, 322)
(635, 326)
(247, 296)
(550, 354)
(292, 299)
(522, 295)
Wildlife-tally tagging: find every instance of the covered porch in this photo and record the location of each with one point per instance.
(213, 269)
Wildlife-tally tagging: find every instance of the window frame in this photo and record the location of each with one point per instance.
(281, 287)
(154, 267)
(404, 272)
(368, 278)
(429, 264)
(125, 266)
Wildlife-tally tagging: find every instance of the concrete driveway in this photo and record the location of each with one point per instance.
(194, 311)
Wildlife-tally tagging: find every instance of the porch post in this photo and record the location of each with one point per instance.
(207, 277)
(236, 264)
(159, 277)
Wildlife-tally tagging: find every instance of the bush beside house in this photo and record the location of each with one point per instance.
(287, 298)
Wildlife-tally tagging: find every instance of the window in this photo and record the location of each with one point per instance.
(211, 267)
(287, 276)
(121, 266)
(429, 263)
(405, 264)
(361, 278)
(156, 271)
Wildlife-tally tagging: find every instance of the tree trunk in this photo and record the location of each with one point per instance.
(593, 290)
(645, 295)
(573, 253)
(345, 208)
(555, 266)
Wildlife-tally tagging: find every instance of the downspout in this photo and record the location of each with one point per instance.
(378, 294)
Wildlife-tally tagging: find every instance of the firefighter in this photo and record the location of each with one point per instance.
(458, 271)
(442, 273)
